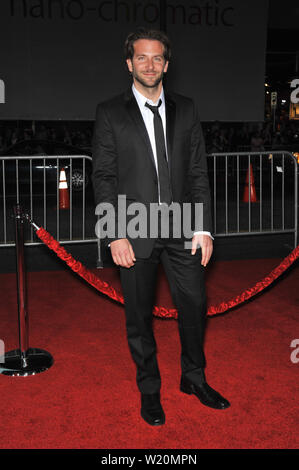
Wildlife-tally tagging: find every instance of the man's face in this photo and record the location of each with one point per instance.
(148, 64)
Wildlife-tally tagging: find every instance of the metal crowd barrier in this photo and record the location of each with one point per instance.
(254, 193)
(34, 182)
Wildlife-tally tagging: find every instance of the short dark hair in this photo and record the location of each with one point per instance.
(143, 33)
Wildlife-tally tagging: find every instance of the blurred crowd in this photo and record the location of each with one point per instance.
(76, 136)
(220, 137)
(252, 137)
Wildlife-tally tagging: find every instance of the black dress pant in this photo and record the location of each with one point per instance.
(185, 275)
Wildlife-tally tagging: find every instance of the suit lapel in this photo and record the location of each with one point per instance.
(170, 124)
(136, 116)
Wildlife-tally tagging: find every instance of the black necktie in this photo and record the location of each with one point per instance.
(163, 173)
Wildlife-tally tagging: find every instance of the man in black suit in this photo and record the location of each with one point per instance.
(148, 145)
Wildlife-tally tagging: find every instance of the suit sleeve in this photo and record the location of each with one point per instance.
(105, 167)
(198, 173)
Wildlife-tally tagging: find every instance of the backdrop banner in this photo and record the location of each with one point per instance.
(59, 58)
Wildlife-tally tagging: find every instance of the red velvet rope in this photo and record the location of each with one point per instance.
(163, 312)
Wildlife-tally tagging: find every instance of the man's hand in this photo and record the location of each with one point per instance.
(206, 243)
(122, 253)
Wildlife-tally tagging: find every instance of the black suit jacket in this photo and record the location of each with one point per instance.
(123, 161)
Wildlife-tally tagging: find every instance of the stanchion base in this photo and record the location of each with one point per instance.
(34, 362)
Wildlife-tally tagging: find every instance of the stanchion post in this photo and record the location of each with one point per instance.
(23, 361)
(21, 285)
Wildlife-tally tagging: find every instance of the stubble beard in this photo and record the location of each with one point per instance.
(139, 79)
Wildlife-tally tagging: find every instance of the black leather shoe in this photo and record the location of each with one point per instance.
(204, 393)
(151, 409)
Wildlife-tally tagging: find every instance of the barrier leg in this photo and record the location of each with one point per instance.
(23, 361)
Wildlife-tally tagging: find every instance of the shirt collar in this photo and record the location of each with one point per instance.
(141, 99)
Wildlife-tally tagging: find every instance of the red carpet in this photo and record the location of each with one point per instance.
(88, 398)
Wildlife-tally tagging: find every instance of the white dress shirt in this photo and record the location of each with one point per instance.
(148, 118)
